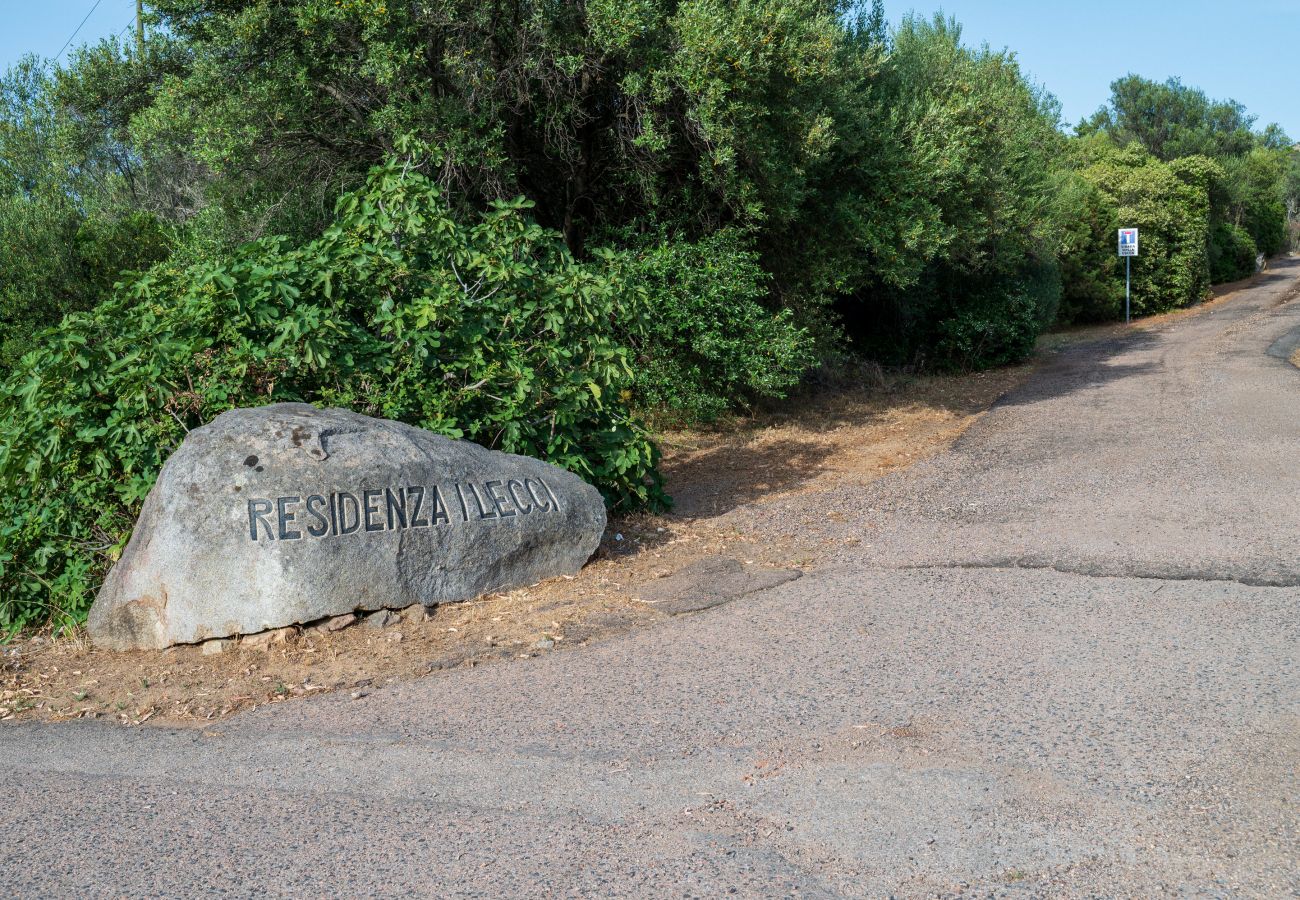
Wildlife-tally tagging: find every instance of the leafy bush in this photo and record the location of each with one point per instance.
(1232, 253)
(708, 345)
(980, 144)
(1092, 275)
(56, 260)
(490, 332)
(977, 324)
(1251, 196)
(997, 331)
(1170, 204)
(69, 224)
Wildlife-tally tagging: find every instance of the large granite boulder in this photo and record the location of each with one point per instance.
(288, 513)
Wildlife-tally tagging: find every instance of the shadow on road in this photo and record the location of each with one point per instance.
(1082, 367)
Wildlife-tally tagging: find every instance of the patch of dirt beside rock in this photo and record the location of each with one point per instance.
(840, 436)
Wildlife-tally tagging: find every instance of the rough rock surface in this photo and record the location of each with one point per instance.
(287, 513)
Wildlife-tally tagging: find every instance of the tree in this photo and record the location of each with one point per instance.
(68, 225)
(1172, 120)
(974, 203)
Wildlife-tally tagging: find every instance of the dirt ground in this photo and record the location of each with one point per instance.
(840, 434)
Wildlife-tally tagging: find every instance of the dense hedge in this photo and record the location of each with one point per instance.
(1232, 252)
(709, 344)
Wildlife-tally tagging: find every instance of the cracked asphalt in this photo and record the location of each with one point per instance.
(1057, 660)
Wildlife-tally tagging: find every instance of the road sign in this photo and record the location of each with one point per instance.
(1128, 248)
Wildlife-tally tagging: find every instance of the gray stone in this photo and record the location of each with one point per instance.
(264, 640)
(288, 514)
(337, 623)
(217, 646)
(710, 582)
(382, 619)
(418, 613)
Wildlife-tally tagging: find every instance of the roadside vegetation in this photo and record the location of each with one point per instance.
(541, 226)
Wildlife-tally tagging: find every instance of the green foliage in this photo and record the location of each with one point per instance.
(67, 226)
(1171, 120)
(993, 328)
(1232, 253)
(1254, 197)
(1170, 205)
(708, 344)
(1092, 280)
(58, 261)
(1248, 190)
(490, 332)
(607, 114)
(980, 142)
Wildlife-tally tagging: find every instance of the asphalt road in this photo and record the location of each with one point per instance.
(1059, 659)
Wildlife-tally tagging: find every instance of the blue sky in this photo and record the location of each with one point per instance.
(42, 27)
(1243, 50)
(1240, 50)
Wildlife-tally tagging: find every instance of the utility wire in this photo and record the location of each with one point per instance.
(78, 31)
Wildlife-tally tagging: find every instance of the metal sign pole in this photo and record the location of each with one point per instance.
(1128, 248)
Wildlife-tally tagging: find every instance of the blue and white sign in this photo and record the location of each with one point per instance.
(1128, 242)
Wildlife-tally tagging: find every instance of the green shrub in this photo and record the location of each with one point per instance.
(997, 322)
(974, 212)
(1232, 253)
(998, 331)
(708, 345)
(1092, 275)
(1253, 197)
(490, 332)
(1170, 204)
(54, 260)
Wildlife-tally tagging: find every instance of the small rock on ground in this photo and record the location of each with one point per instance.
(266, 639)
(338, 623)
(382, 619)
(419, 613)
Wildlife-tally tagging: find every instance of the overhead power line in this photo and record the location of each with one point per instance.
(78, 31)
